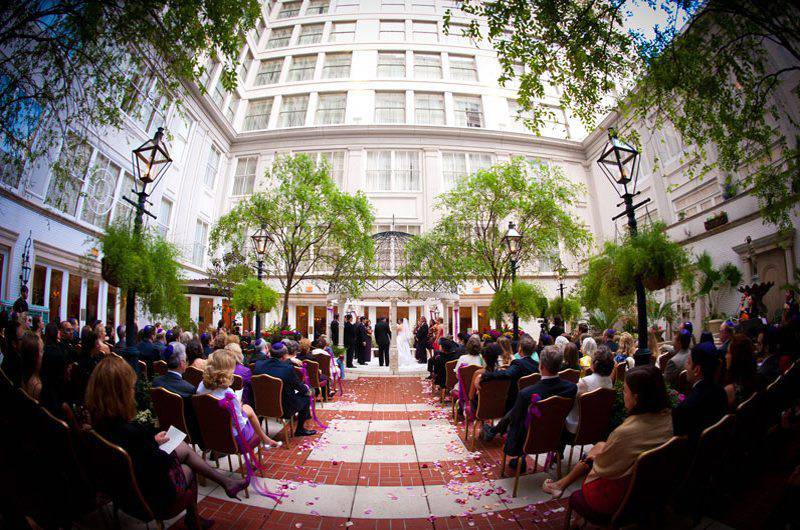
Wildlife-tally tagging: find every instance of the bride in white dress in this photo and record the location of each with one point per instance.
(404, 355)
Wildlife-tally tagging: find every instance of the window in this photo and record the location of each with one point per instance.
(343, 32)
(462, 68)
(393, 170)
(457, 164)
(218, 95)
(279, 37)
(317, 7)
(347, 6)
(390, 107)
(302, 67)
(257, 116)
(232, 106)
(429, 109)
(555, 122)
(422, 6)
(457, 34)
(393, 6)
(179, 130)
(244, 69)
(335, 160)
(408, 229)
(208, 70)
(331, 109)
(269, 72)
(293, 111)
(245, 176)
(123, 210)
(392, 30)
(516, 116)
(65, 188)
(425, 31)
(199, 250)
(310, 34)
(337, 65)
(427, 66)
(469, 111)
(144, 103)
(212, 165)
(101, 185)
(290, 9)
(391, 64)
(164, 216)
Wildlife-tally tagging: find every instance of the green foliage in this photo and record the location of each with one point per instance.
(601, 287)
(517, 297)
(602, 320)
(253, 295)
(567, 308)
(228, 270)
(713, 282)
(657, 311)
(146, 263)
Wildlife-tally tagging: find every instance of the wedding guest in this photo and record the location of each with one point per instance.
(602, 366)
(53, 371)
(608, 340)
(147, 350)
(31, 348)
(490, 354)
(768, 344)
(195, 356)
(577, 337)
(120, 345)
(508, 354)
(472, 354)
(571, 357)
(707, 402)
(626, 349)
(558, 327)
(450, 352)
(725, 336)
(242, 371)
(421, 342)
(102, 339)
(205, 340)
(175, 357)
(588, 348)
(741, 372)
(676, 363)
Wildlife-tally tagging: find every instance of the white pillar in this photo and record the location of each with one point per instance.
(393, 361)
(310, 330)
(341, 324)
(445, 317)
(412, 315)
(371, 312)
(456, 320)
(474, 317)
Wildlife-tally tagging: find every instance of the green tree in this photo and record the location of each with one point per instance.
(567, 308)
(713, 282)
(720, 78)
(316, 231)
(517, 297)
(253, 295)
(71, 64)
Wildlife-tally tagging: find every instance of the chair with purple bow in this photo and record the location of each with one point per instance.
(491, 405)
(460, 393)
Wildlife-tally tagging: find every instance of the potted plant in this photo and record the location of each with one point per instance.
(712, 283)
(567, 308)
(681, 215)
(714, 221)
(254, 296)
(651, 256)
(518, 297)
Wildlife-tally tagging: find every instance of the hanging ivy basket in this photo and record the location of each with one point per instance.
(109, 272)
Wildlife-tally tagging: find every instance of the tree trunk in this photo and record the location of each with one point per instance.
(499, 324)
(285, 315)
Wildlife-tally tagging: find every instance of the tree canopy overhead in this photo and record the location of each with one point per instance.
(723, 72)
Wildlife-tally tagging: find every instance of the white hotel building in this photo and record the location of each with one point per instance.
(399, 109)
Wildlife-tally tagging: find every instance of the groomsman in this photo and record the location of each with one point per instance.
(335, 329)
(422, 341)
(349, 339)
(361, 339)
(383, 336)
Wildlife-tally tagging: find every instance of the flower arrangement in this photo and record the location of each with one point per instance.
(494, 334)
(276, 333)
(714, 221)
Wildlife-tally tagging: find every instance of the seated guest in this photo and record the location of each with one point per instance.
(322, 348)
(160, 344)
(167, 481)
(53, 372)
(101, 339)
(450, 352)
(707, 402)
(770, 367)
(175, 357)
(31, 348)
(508, 354)
(725, 336)
(578, 335)
(220, 340)
(472, 354)
(609, 464)
(550, 385)
(119, 347)
(519, 368)
(491, 354)
(626, 349)
(295, 394)
(602, 366)
(147, 350)
(588, 347)
(558, 327)
(676, 363)
(241, 370)
(194, 355)
(305, 355)
(571, 357)
(217, 379)
(608, 340)
(260, 352)
(205, 340)
(740, 372)
(706, 336)
(185, 337)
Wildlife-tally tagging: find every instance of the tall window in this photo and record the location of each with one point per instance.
(244, 69)
(200, 239)
(347, 6)
(429, 109)
(279, 37)
(143, 102)
(425, 31)
(212, 165)
(457, 164)
(457, 34)
(343, 32)
(269, 72)
(179, 129)
(391, 64)
(337, 65)
(393, 170)
(427, 66)
(393, 6)
(290, 9)
(331, 109)
(123, 211)
(392, 30)
(164, 216)
(390, 107)
(335, 160)
(310, 34)
(231, 106)
(245, 177)
(64, 190)
(302, 67)
(317, 7)
(469, 111)
(101, 183)
(219, 92)
(462, 68)
(257, 116)
(422, 6)
(293, 111)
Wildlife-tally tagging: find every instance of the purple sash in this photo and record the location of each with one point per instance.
(466, 406)
(313, 401)
(533, 410)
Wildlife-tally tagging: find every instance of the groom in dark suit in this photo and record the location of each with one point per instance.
(422, 341)
(349, 339)
(361, 340)
(383, 336)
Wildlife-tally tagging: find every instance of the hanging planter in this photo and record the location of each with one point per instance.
(253, 296)
(718, 220)
(109, 272)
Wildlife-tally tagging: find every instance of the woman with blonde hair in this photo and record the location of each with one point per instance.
(217, 379)
(507, 354)
(242, 371)
(101, 347)
(627, 347)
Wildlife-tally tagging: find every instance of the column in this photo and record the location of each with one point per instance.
(310, 330)
(341, 325)
(456, 320)
(393, 362)
(370, 313)
(412, 315)
(445, 316)
(474, 317)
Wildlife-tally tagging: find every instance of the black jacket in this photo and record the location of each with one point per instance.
(422, 336)
(383, 334)
(518, 369)
(335, 332)
(704, 406)
(175, 383)
(361, 334)
(52, 373)
(295, 394)
(554, 386)
(349, 334)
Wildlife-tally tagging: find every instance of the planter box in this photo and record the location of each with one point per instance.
(716, 221)
(713, 325)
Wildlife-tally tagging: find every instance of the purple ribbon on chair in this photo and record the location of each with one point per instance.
(312, 401)
(533, 410)
(251, 463)
(337, 377)
(462, 398)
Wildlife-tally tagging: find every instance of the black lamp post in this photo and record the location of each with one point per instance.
(25, 272)
(513, 239)
(561, 273)
(620, 164)
(260, 240)
(150, 162)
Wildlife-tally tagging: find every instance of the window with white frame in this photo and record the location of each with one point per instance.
(423, 6)
(245, 176)
(293, 111)
(123, 211)
(391, 64)
(390, 107)
(393, 170)
(425, 31)
(427, 65)
(244, 69)
(457, 34)
(343, 32)
(164, 216)
(516, 116)
(301, 68)
(554, 122)
(392, 30)
(212, 166)
(101, 184)
(290, 9)
(547, 260)
(231, 106)
(257, 117)
(428, 109)
(462, 68)
(393, 6)
(318, 7)
(331, 109)
(208, 70)
(179, 129)
(310, 34)
(414, 230)
(219, 92)
(64, 189)
(337, 65)
(456, 164)
(143, 102)
(347, 6)
(279, 37)
(469, 111)
(335, 160)
(200, 240)
(269, 72)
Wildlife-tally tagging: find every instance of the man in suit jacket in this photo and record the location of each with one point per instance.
(349, 339)
(175, 356)
(383, 336)
(422, 341)
(550, 385)
(148, 352)
(725, 335)
(450, 352)
(707, 402)
(361, 339)
(335, 329)
(295, 395)
(676, 363)
(518, 369)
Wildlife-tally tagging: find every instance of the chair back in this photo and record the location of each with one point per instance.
(711, 453)
(570, 374)
(619, 371)
(168, 407)
(492, 399)
(594, 409)
(267, 392)
(299, 372)
(684, 386)
(312, 368)
(193, 375)
(545, 430)
(215, 424)
(450, 378)
(237, 383)
(528, 380)
(466, 373)
(159, 368)
(663, 359)
(143, 369)
(323, 360)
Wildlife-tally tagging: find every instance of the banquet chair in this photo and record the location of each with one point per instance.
(170, 411)
(528, 380)
(619, 371)
(710, 457)
(237, 383)
(491, 406)
(193, 375)
(159, 367)
(312, 369)
(684, 386)
(267, 401)
(570, 374)
(449, 378)
(324, 362)
(143, 369)
(663, 359)
(594, 409)
(465, 373)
